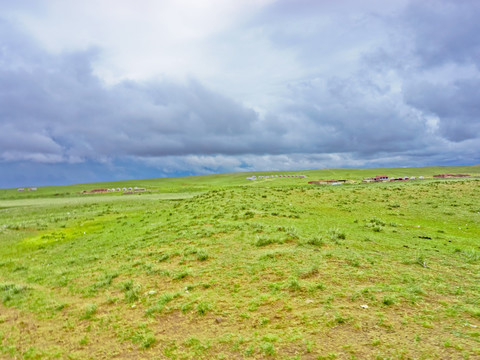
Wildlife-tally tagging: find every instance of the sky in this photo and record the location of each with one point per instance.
(121, 89)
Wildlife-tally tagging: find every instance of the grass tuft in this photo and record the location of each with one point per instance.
(335, 234)
(11, 292)
(89, 311)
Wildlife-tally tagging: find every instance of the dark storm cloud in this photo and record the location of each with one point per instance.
(356, 115)
(456, 105)
(444, 31)
(57, 110)
(376, 85)
(55, 105)
(444, 36)
(414, 91)
(348, 102)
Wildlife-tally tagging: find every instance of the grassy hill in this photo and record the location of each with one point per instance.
(220, 267)
(206, 182)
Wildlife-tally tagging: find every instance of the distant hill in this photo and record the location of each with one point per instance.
(205, 182)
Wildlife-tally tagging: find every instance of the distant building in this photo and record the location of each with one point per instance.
(21, 189)
(451, 176)
(327, 182)
(32, 189)
(378, 178)
(95, 191)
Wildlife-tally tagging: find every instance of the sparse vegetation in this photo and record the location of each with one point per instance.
(217, 267)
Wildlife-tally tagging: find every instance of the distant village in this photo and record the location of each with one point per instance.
(124, 190)
(385, 178)
(376, 179)
(251, 178)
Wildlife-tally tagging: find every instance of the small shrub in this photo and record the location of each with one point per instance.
(270, 338)
(90, 310)
(105, 281)
(263, 321)
(318, 286)
(377, 221)
(335, 234)
(249, 214)
(249, 350)
(201, 255)
(471, 256)
(292, 232)
(181, 275)
(388, 300)
(162, 301)
(203, 307)
(315, 241)
(143, 337)
(166, 298)
(127, 285)
(11, 291)
(268, 348)
(375, 224)
(421, 261)
(312, 271)
(294, 285)
(417, 290)
(354, 262)
(163, 257)
(148, 341)
(264, 241)
(131, 291)
(340, 319)
(186, 307)
(268, 257)
(197, 346)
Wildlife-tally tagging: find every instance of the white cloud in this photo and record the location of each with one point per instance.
(225, 85)
(138, 39)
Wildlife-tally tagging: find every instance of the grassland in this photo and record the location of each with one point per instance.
(219, 267)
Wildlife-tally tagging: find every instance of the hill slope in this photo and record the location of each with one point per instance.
(221, 267)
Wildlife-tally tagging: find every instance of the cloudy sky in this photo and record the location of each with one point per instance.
(120, 89)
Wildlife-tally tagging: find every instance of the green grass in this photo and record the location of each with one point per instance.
(218, 266)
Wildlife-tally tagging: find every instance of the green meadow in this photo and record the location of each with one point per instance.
(219, 267)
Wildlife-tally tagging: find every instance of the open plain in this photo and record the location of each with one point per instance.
(221, 267)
